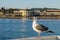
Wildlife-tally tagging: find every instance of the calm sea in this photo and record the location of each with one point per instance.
(18, 28)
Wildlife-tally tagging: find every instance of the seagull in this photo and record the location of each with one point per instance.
(39, 27)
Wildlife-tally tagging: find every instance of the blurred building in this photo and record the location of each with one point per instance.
(24, 12)
(51, 13)
(1, 14)
(37, 12)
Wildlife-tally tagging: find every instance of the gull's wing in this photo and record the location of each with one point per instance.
(41, 27)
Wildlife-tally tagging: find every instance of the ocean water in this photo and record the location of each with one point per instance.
(21, 28)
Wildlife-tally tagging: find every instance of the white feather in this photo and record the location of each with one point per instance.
(34, 24)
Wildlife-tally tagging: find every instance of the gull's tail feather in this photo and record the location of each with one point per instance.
(49, 31)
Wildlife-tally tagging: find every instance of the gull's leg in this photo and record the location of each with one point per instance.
(38, 36)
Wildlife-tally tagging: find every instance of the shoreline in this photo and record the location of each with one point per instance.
(29, 17)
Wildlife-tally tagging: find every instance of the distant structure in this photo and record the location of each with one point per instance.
(24, 12)
(50, 12)
(39, 12)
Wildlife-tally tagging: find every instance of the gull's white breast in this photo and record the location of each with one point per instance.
(34, 25)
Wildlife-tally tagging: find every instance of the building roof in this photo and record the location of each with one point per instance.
(26, 9)
(52, 10)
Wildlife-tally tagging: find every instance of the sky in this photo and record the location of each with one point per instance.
(30, 3)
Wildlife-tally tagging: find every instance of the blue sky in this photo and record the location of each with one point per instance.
(30, 3)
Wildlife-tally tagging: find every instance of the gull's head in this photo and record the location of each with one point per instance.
(34, 18)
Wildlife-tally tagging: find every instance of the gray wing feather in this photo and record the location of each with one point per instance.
(41, 27)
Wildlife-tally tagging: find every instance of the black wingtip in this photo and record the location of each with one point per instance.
(50, 31)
